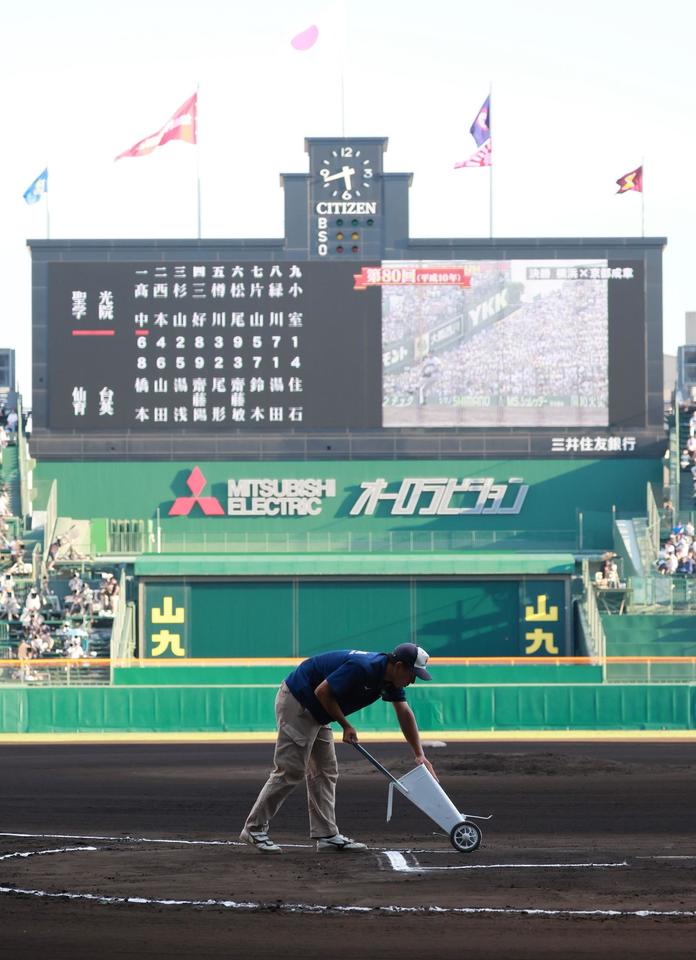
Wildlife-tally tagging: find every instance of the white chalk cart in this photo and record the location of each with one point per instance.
(423, 790)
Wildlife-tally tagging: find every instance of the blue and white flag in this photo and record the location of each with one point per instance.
(37, 189)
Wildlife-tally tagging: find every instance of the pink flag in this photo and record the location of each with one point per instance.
(306, 39)
(180, 126)
(482, 158)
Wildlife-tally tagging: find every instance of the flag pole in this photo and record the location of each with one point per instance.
(490, 168)
(198, 168)
(343, 15)
(48, 218)
(642, 196)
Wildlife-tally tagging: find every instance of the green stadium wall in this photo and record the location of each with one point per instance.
(558, 491)
(249, 709)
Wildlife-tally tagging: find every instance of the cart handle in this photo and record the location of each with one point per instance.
(375, 763)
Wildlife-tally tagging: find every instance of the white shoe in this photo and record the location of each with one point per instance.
(260, 840)
(339, 842)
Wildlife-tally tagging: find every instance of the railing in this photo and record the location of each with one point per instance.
(37, 564)
(123, 630)
(327, 541)
(56, 672)
(24, 463)
(597, 637)
(654, 520)
(661, 594)
(675, 460)
(651, 670)
(51, 519)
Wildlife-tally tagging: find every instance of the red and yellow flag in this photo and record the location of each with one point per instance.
(180, 126)
(631, 181)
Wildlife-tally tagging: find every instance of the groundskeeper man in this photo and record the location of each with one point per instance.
(322, 689)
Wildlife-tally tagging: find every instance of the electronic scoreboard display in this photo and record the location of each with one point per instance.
(303, 346)
(212, 346)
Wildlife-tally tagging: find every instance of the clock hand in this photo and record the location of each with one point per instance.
(344, 174)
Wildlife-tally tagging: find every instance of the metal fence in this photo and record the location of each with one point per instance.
(25, 465)
(51, 519)
(651, 670)
(661, 594)
(411, 541)
(654, 520)
(597, 640)
(56, 672)
(123, 632)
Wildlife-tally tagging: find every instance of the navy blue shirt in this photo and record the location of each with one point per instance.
(356, 679)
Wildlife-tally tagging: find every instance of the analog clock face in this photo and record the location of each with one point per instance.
(346, 173)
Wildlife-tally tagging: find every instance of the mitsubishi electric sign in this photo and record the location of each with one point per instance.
(306, 497)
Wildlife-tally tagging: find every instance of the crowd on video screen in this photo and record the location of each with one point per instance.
(501, 343)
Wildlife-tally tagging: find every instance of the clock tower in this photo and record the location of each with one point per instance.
(346, 197)
(339, 210)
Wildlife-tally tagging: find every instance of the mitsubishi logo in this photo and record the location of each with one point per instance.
(210, 506)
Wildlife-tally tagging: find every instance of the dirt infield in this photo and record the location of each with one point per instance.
(129, 851)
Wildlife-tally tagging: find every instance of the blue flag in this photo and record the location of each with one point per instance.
(480, 129)
(40, 186)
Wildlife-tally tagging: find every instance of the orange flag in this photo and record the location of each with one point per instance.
(180, 126)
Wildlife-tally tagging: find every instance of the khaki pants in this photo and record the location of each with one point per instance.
(304, 751)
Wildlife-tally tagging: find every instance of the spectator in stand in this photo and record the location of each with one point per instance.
(12, 421)
(4, 439)
(53, 552)
(76, 582)
(73, 646)
(4, 537)
(16, 550)
(24, 655)
(44, 640)
(108, 595)
(75, 603)
(10, 608)
(33, 633)
(678, 553)
(692, 424)
(612, 576)
(33, 602)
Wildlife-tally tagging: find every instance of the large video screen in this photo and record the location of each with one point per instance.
(523, 344)
(283, 346)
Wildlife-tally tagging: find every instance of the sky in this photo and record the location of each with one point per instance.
(581, 94)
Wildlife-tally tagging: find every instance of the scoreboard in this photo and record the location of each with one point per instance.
(200, 347)
(309, 346)
(346, 337)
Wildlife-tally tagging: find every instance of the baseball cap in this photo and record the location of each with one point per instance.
(414, 657)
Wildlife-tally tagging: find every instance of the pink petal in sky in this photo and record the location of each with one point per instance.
(306, 39)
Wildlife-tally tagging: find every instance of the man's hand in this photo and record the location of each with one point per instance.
(421, 758)
(350, 734)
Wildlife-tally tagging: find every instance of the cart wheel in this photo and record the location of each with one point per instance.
(465, 837)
